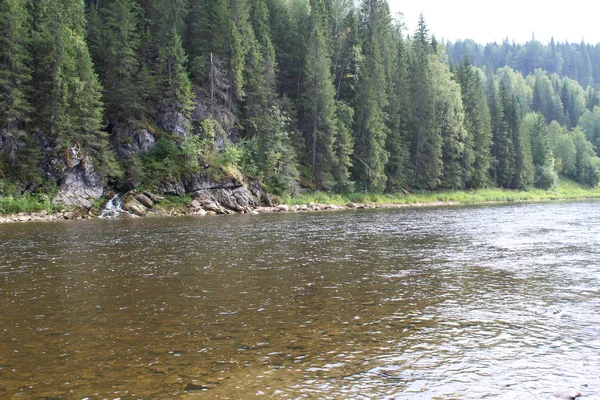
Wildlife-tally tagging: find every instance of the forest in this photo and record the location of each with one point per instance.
(328, 95)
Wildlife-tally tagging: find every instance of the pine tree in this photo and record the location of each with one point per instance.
(519, 141)
(208, 36)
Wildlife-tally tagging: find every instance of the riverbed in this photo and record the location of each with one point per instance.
(453, 302)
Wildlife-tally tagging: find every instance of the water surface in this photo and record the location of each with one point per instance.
(448, 303)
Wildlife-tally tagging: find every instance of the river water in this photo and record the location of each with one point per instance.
(441, 303)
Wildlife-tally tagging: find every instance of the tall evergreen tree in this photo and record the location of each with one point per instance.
(476, 159)
(503, 163)
(121, 24)
(15, 77)
(318, 99)
(425, 140)
(68, 94)
(373, 96)
(371, 116)
(397, 145)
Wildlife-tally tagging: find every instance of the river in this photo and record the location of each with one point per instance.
(438, 303)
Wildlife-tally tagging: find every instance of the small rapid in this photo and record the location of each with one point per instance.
(113, 208)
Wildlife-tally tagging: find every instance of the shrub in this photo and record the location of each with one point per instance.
(545, 178)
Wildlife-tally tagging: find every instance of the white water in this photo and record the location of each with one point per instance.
(114, 208)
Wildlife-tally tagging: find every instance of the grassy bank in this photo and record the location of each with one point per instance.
(27, 204)
(567, 190)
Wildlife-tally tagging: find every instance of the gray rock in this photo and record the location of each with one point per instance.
(195, 205)
(129, 140)
(146, 202)
(352, 205)
(173, 188)
(81, 183)
(133, 206)
(283, 208)
(195, 183)
(155, 198)
(143, 141)
(172, 119)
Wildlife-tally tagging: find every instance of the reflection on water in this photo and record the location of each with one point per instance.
(469, 303)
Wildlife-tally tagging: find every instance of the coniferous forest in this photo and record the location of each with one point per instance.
(297, 94)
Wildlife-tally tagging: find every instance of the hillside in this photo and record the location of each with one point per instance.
(280, 97)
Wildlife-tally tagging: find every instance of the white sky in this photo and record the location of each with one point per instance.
(488, 21)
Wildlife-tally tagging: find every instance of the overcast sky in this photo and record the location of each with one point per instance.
(487, 21)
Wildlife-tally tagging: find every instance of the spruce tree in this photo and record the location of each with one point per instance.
(15, 77)
(68, 95)
(425, 140)
(397, 141)
(373, 96)
(476, 160)
(318, 99)
(503, 150)
(121, 42)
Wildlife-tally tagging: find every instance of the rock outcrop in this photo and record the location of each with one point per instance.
(80, 184)
(225, 197)
(171, 119)
(129, 141)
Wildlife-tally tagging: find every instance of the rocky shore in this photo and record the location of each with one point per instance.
(149, 205)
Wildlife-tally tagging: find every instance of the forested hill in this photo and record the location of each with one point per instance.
(294, 94)
(578, 61)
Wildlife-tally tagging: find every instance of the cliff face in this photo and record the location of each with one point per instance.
(80, 184)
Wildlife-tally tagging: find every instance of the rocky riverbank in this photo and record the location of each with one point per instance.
(139, 206)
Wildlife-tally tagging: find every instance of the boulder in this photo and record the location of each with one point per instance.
(283, 208)
(135, 207)
(154, 198)
(352, 205)
(144, 200)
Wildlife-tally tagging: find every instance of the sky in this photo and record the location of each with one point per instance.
(487, 21)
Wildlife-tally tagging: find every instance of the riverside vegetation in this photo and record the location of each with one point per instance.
(231, 105)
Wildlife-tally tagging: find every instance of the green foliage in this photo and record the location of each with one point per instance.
(545, 178)
(590, 122)
(15, 78)
(26, 203)
(328, 94)
(164, 161)
(120, 41)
